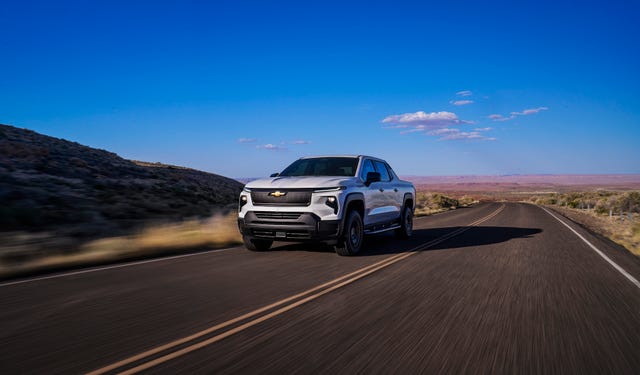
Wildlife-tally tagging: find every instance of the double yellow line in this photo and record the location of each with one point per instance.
(281, 307)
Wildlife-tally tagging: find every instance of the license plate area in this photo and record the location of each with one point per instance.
(281, 234)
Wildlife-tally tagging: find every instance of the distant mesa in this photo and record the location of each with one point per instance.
(550, 182)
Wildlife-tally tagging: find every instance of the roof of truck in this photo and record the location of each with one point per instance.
(339, 156)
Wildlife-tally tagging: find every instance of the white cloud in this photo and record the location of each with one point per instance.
(435, 124)
(461, 102)
(497, 117)
(448, 134)
(418, 128)
(395, 126)
(526, 112)
(431, 120)
(444, 131)
(272, 147)
(482, 129)
(247, 140)
(464, 93)
(300, 142)
(530, 111)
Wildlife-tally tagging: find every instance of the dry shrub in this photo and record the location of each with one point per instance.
(218, 230)
(215, 232)
(432, 203)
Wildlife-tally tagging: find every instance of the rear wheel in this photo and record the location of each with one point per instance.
(352, 236)
(256, 245)
(406, 224)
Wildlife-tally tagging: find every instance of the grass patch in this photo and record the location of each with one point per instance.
(45, 251)
(429, 203)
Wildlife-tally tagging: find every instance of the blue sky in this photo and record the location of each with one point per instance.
(242, 88)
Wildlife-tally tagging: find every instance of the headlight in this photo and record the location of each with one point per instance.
(246, 190)
(243, 200)
(329, 189)
(333, 203)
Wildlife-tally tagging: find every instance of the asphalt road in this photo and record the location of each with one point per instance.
(497, 288)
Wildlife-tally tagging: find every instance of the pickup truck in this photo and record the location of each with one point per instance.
(331, 199)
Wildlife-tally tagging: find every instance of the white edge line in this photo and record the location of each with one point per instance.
(614, 264)
(113, 267)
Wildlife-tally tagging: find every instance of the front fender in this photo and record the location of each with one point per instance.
(349, 199)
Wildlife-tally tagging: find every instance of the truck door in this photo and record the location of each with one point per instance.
(373, 197)
(390, 209)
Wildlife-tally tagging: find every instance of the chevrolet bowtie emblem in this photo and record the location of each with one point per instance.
(278, 194)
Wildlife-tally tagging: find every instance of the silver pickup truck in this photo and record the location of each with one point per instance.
(331, 199)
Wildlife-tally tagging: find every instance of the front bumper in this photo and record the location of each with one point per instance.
(288, 226)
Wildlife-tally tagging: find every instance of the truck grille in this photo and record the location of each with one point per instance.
(290, 234)
(277, 215)
(292, 197)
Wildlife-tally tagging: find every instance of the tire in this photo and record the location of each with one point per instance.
(406, 224)
(256, 245)
(352, 237)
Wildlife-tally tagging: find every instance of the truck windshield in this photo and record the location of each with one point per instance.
(322, 167)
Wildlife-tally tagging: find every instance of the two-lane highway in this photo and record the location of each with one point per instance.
(497, 288)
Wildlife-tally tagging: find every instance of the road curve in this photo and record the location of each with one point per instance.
(497, 288)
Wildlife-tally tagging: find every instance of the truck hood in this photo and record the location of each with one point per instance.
(315, 182)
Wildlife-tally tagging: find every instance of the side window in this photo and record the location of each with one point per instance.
(366, 168)
(391, 172)
(382, 169)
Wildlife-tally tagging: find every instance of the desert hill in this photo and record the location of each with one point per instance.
(48, 183)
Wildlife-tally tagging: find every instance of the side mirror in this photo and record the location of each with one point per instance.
(274, 174)
(372, 177)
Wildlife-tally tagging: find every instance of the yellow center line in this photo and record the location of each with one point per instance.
(339, 283)
(259, 320)
(233, 321)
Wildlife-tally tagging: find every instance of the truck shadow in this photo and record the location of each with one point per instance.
(387, 243)
(472, 236)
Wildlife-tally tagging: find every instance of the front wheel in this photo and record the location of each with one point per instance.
(406, 224)
(256, 245)
(352, 236)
